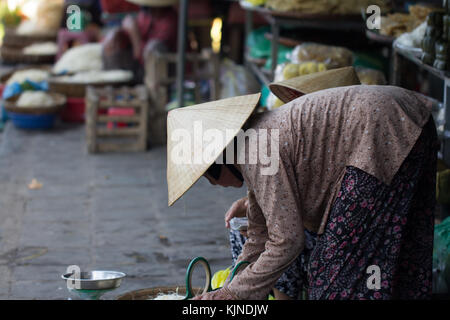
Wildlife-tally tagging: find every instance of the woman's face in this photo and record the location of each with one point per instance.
(226, 179)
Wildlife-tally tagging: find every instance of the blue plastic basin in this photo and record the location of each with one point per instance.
(32, 121)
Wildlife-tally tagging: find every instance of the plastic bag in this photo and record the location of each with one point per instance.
(287, 71)
(235, 80)
(16, 88)
(370, 76)
(259, 46)
(256, 2)
(282, 57)
(239, 224)
(332, 56)
(441, 257)
(219, 278)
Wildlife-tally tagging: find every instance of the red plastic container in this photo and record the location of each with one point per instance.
(119, 112)
(117, 6)
(74, 110)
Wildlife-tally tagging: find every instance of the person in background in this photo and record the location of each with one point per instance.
(91, 25)
(154, 28)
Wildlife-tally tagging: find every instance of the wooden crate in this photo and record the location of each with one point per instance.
(101, 138)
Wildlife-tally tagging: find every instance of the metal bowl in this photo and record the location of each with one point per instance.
(95, 280)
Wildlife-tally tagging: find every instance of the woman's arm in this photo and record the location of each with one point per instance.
(277, 235)
(254, 245)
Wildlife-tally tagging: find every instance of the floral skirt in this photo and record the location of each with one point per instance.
(378, 241)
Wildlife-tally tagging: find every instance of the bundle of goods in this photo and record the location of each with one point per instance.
(25, 79)
(35, 99)
(412, 39)
(78, 68)
(81, 66)
(331, 7)
(395, 24)
(309, 58)
(290, 70)
(332, 56)
(80, 58)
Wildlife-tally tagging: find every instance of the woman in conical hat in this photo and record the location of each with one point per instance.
(341, 186)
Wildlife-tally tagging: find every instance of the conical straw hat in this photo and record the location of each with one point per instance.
(293, 88)
(154, 3)
(185, 128)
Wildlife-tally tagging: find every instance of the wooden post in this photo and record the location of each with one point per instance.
(92, 102)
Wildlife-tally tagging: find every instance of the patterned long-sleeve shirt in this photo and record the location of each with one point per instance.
(372, 128)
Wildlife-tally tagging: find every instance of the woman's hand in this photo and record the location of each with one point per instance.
(237, 209)
(220, 294)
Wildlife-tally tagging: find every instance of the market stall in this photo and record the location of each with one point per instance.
(132, 78)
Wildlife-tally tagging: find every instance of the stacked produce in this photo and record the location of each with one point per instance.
(87, 57)
(309, 58)
(396, 24)
(341, 7)
(332, 56)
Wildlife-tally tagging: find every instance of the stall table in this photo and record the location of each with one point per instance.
(277, 19)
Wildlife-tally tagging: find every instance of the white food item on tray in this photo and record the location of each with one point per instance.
(31, 28)
(36, 75)
(43, 48)
(99, 76)
(30, 99)
(170, 296)
(80, 58)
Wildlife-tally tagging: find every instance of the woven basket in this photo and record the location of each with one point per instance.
(10, 105)
(16, 55)
(78, 90)
(12, 39)
(151, 293)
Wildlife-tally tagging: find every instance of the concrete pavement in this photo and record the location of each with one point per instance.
(106, 211)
